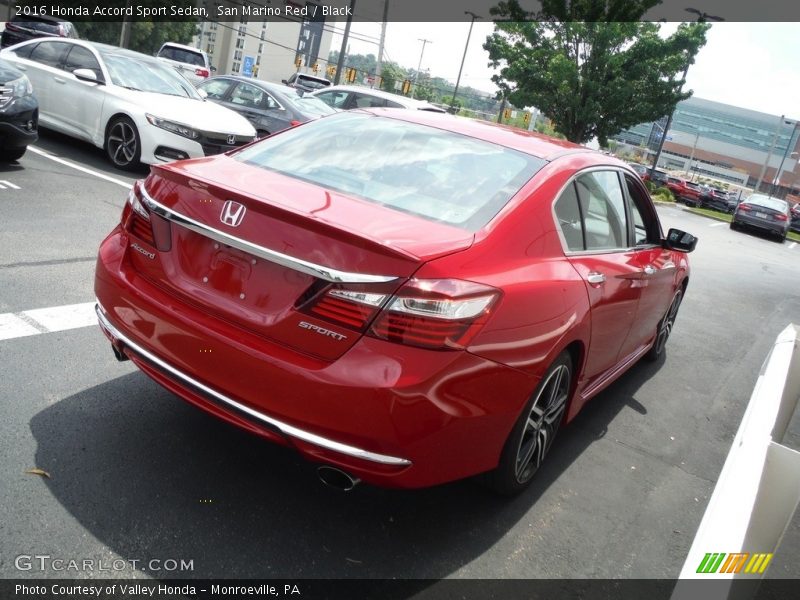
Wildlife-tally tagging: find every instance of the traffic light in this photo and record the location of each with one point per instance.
(526, 118)
(298, 62)
(507, 113)
(331, 70)
(351, 75)
(255, 70)
(406, 86)
(315, 68)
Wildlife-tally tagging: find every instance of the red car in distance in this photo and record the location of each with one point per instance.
(687, 192)
(406, 298)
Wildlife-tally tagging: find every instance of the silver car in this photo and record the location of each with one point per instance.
(765, 214)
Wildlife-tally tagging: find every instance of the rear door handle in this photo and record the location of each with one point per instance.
(59, 80)
(595, 278)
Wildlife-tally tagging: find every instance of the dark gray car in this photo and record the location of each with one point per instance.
(270, 107)
(763, 213)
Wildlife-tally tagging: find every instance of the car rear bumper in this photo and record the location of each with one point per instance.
(389, 414)
(779, 228)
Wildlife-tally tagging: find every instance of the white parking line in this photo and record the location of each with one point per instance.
(718, 224)
(67, 163)
(7, 184)
(46, 320)
(792, 245)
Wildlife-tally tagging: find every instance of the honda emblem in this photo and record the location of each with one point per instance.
(231, 140)
(232, 213)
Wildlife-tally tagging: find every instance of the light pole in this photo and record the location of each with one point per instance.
(419, 66)
(702, 17)
(777, 180)
(463, 58)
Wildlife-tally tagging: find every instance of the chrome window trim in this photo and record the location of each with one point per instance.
(297, 264)
(285, 428)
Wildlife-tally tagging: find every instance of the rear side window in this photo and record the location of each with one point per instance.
(424, 171)
(49, 53)
(594, 213)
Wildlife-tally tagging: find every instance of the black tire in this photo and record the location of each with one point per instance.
(664, 328)
(734, 226)
(123, 145)
(12, 154)
(532, 436)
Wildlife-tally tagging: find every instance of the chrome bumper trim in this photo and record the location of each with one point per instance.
(288, 430)
(297, 264)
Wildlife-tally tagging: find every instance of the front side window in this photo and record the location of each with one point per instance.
(82, 58)
(216, 88)
(425, 171)
(247, 95)
(645, 229)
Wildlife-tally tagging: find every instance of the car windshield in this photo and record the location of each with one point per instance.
(182, 55)
(314, 84)
(767, 202)
(148, 76)
(313, 107)
(424, 171)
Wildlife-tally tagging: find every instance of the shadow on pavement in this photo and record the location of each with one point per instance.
(152, 477)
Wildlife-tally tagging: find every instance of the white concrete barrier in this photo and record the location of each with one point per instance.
(758, 489)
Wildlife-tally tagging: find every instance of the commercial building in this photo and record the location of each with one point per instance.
(727, 143)
(266, 49)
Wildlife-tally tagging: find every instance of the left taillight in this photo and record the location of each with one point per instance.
(136, 218)
(201, 72)
(781, 217)
(144, 225)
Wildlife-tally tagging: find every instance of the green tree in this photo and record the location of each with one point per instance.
(146, 36)
(591, 66)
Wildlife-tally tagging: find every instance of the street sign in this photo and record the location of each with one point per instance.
(247, 66)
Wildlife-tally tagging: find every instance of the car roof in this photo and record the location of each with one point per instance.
(407, 102)
(181, 46)
(529, 142)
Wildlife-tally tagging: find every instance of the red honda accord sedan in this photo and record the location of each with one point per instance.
(406, 298)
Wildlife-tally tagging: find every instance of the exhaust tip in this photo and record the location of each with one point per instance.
(119, 354)
(336, 478)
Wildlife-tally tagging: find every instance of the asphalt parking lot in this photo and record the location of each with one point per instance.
(137, 475)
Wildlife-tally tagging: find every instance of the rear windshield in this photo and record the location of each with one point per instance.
(431, 173)
(311, 82)
(43, 26)
(766, 201)
(182, 55)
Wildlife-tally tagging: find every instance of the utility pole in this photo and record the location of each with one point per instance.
(777, 181)
(502, 109)
(702, 17)
(419, 66)
(125, 34)
(694, 148)
(343, 50)
(769, 154)
(463, 58)
(379, 66)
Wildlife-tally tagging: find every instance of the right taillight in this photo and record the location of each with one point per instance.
(435, 313)
(142, 224)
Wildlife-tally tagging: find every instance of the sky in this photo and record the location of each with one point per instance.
(750, 65)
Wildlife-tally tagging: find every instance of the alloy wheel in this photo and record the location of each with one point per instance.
(665, 327)
(122, 144)
(542, 423)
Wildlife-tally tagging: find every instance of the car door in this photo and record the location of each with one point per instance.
(259, 107)
(658, 281)
(83, 100)
(42, 67)
(592, 218)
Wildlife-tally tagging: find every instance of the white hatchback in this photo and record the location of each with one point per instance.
(134, 106)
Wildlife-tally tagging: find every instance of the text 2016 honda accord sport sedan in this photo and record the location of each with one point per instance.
(407, 298)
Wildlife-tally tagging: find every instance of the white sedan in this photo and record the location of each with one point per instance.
(134, 106)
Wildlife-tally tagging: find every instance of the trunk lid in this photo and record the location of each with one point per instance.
(261, 249)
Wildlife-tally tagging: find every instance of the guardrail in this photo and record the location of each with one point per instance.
(758, 489)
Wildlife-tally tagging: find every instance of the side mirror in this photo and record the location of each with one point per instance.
(283, 81)
(680, 241)
(86, 75)
(213, 69)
